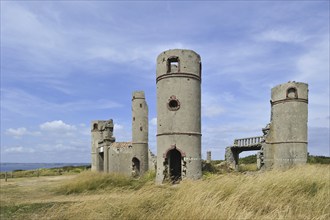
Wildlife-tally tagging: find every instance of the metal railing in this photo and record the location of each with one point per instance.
(244, 142)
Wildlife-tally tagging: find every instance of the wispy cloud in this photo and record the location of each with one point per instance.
(20, 102)
(57, 126)
(19, 149)
(20, 132)
(282, 35)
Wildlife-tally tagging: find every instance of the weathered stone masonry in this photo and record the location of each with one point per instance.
(178, 80)
(178, 115)
(284, 142)
(129, 158)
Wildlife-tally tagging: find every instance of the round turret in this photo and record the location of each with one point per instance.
(287, 136)
(179, 115)
(139, 132)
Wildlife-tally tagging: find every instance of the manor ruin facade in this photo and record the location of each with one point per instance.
(178, 80)
(129, 158)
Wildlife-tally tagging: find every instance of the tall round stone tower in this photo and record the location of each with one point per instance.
(178, 115)
(139, 133)
(286, 142)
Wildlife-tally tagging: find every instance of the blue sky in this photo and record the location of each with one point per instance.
(65, 63)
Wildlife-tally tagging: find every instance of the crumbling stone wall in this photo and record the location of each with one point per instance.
(129, 158)
(102, 135)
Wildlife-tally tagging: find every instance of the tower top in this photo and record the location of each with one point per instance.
(180, 61)
(290, 90)
(138, 95)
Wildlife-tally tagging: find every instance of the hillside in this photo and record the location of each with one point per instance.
(298, 193)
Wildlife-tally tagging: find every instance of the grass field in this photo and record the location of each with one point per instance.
(299, 193)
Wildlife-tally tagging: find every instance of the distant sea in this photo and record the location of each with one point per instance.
(7, 167)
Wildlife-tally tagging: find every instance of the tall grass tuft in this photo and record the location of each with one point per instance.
(91, 181)
(298, 193)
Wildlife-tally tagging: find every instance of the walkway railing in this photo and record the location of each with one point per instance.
(244, 142)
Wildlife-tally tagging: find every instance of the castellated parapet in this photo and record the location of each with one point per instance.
(286, 141)
(178, 115)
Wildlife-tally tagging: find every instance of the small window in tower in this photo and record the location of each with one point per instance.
(95, 127)
(173, 65)
(140, 128)
(173, 103)
(133, 118)
(291, 93)
(140, 105)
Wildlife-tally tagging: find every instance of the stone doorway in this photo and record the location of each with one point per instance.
(135, 166)
(175, 168)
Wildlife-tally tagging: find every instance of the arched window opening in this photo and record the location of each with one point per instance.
(95, 127)
(291, 93)
(173, 65)
(174, 159)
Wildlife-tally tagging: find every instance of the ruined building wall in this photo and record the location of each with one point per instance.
(179, 115)
(286, 141)
(120, 158)
(140, 160)
(102, 135)
(131, 158)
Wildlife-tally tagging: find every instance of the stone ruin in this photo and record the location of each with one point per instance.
(178, 80)
(130, 158)
(284, 140)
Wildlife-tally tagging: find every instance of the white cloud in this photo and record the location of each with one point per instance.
(282, 35)
(16, 132)
(122, 132)
(118, 126)
(19, 149)
(19, 132)
(153, 122)
(57, 126)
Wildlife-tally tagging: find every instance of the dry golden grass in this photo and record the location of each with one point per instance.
(298, 193)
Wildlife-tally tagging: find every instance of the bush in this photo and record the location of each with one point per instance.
(318, 159)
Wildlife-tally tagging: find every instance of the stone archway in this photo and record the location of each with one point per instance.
(135, 167)
(174, 158)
